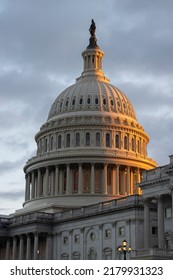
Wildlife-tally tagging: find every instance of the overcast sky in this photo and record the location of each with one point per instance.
(40, 55)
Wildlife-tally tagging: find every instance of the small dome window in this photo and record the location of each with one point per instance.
(88, 100)
(81, 101)
(66, 104)
(104, 101)
(112, 103)
(60, 105)
(73, 102)
(96, 101)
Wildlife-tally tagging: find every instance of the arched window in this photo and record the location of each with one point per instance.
(139, 146)
(117, 141)
(68, 140)
(59, 141)
(92, 254)
(125, 143)
(51, 143)
(46, 145)
(87, 139)
(97, 139)
(77, 140)
(108, 140)
(88, 100)
(96, 101)
(133, 145)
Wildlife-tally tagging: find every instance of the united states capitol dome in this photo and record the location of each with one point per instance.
(91, 148)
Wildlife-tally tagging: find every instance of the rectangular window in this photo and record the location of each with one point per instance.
(65, 240)
(76, 238)
(121, 231)
(168, 212)
(107, 233)
(154, 230)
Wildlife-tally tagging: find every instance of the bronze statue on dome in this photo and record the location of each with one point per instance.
(92, 29)
(93, 39)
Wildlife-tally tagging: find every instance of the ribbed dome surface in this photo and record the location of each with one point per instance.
(92, 95)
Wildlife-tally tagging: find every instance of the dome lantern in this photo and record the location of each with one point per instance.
(92, 58)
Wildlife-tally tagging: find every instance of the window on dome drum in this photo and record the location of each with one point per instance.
(51, 143)
(111, 102)
(61, 105)
(96, 101)
(125, 143)
(133, 145)
(77, 140)
(46, 146)
(97, 139)
(66, 104)
(117, 141)
(108, 144)
(87, 139)
(59, 141)
(139, 146)
(68, 140)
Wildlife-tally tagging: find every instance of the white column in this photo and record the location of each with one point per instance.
(160, 211)
(138, 180)
(56, 179)
(114, 181)
(68, 179)
(92, 178)
(131, 182)
(28, 247)
(146, 224)
(128, 180)
(49, 244)
(105, 178)
(21, 249)
(61, 181)
(117, 180)
(39, 183)
(80, 179)
(36, 249)
(52, 182)
(46, 189)
(7, 253)
(14, 256)
(27, 188)
(122, 181)
(33, 184)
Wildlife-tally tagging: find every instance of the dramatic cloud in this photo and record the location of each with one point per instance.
(40, 55)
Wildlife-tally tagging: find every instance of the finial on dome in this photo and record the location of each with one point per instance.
(93, 39)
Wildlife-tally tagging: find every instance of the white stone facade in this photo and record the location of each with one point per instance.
(83, 194)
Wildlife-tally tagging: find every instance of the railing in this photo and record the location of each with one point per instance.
(154, 251)
(85, 210)
(92, 152)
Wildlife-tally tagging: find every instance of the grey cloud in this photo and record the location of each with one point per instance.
(12, 195)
